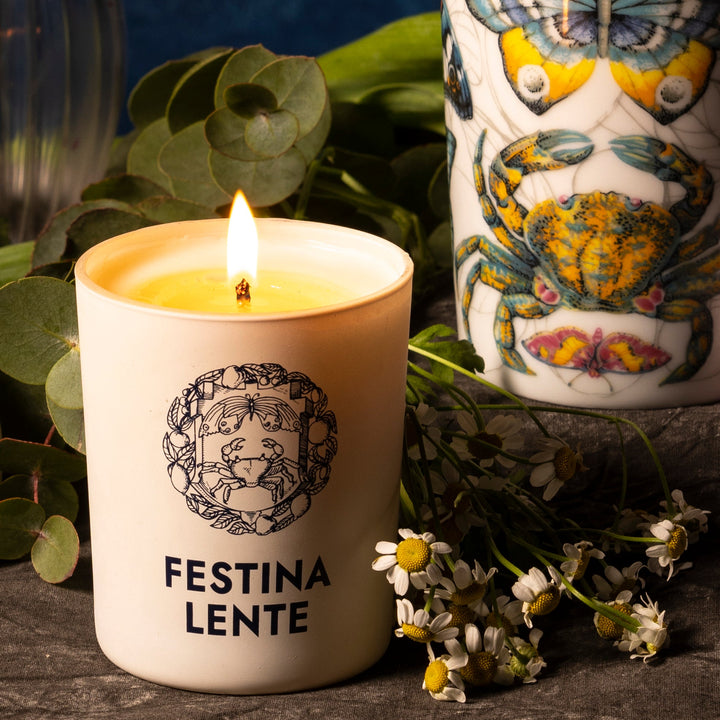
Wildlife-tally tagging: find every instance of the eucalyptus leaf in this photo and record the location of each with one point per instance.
(226, 133)
(63, 385)
(240, 68)
(149, 98)
(56, 550)
(249, 99)
(15, 261)
(272, 134)
(130, 189)
(94, 226)
(311, 144)
(38, 325)
(264, 183)
(46, 461)
(56, 498)
(184, 158)
(299, 86)
(143, 155)
(51, 244)
(171, 209)
(21, 521)
(193, 97)
(69, 423)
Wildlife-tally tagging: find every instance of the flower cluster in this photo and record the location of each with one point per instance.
(477, 487)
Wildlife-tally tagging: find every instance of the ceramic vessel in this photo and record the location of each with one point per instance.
(241, 468)
(584, 148)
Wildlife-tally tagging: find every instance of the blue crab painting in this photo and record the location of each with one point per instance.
(596, 251)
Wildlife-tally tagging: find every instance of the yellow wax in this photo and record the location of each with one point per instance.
(209, 290)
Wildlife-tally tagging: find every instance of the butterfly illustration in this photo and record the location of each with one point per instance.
(457, 88)
(661, 52)
(618, 352)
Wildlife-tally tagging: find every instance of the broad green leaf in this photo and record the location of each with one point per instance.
(130, 189)
(193, 97)
(171, 209)
(415, 170)
(413, 106)
(20, 523)
(299, 86)
(63, 384)
(70, 425)
(459, 352)
(56, 550)
(313, 142)
(38, 325)
(54, 464)
(143, 155)
(15, 261)
(95, 226)
(249, 99)
(184, 158)
(240, 68)
(362, 128)
(407, 51)
(264, 183)
(51, 244)
(149, 98)
(55, 497)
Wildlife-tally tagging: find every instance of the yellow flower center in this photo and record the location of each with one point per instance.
(677, 544)
(436, 676)
(546, 601)
(608, 629)
(480, 669)
(416, 633)
(461, 615)
(472, 593)
(582, 564)
(500, 621)
(565, 462)
(413, 554)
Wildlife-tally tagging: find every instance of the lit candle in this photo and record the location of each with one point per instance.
(242, 463)
(215, 289)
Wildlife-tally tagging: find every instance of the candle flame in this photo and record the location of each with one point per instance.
(242, 242)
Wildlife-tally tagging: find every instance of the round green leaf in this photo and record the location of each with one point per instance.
(38, 325)
(51, 463)
(95, 226)
(149, 98)
(314, 141)
(225, 131)
(264, 183)
(63, 384)
(69, 423)
(272, 134)
(171, 209)
(56, 550)
(15, 261)
(143, 154)
(20, 524)
(299, 86)
(248, 100)
(193, 97)
(56, 498)
(129, 189)
(240, 68)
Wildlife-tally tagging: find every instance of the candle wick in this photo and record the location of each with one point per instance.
(242, 292)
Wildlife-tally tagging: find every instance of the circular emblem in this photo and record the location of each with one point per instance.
(248, 446)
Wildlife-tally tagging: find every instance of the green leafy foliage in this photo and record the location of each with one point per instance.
(355, 137)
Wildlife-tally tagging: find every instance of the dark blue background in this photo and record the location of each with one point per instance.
(160, 31)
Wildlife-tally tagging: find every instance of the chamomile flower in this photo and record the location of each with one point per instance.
(556, 464)
(503, 433)
(673, 545)
(691, 518)
(526, 662)
(539, 595)
(419, 626)
(608, 628)
(617, 581)
(578, 556)
(651, 635)
(488, 658)
(442, 679)
(505, 613)
(467, 586)
(413, 560)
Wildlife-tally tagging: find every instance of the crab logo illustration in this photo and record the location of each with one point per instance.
(249, 446)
